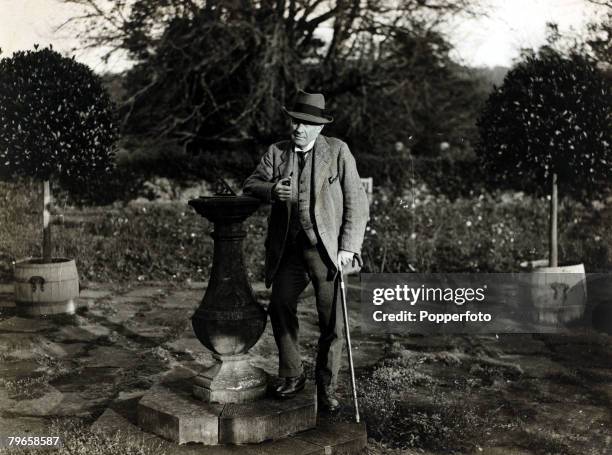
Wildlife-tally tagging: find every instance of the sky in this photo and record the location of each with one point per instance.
(515, 24)
(495, 40)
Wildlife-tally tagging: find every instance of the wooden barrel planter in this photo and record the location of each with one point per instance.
(43, 288)
(558, 294)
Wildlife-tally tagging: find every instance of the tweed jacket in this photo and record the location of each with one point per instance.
(339, 205)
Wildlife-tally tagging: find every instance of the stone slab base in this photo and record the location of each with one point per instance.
(328, 438)
(229, 396)
(231, 380)
(171, 411)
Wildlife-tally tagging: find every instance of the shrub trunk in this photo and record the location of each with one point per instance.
(553, 253)
(46, 245)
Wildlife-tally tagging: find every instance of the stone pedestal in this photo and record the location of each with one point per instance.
(232, 380)
(171, 411)
(229, 320)
(228, 403)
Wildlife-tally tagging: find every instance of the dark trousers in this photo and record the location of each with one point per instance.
(300, 264)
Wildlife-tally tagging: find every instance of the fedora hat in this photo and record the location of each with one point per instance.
(309, 107)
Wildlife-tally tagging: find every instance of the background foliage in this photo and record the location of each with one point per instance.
(56, 119)
(150, 241)
(213, 76)
(551, 115)
(387, 71)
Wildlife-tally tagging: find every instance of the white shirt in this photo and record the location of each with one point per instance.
(306, 149)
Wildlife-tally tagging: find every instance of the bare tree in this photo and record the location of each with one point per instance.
(218, 71)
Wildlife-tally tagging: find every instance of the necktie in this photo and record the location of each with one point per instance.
(302, 159)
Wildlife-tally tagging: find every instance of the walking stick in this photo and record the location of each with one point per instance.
(348, 343)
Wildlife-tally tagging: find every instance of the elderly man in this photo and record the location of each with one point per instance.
(317, 223)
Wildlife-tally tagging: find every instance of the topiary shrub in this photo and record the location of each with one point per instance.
(549, 123)
(57, 123)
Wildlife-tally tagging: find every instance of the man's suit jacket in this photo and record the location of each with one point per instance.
(340, 203)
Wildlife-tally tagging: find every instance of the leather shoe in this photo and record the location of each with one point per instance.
(291, 386)
(327, 401)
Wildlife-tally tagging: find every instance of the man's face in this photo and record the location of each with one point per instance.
(303, 133)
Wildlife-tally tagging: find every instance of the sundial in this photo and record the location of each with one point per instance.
(222, 188)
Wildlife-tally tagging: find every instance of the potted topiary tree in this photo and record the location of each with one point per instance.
(57, 124)
(548, 127)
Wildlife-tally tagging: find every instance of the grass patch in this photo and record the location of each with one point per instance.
(404, 408)
(28, 388)
(547, 441)
(78, 439)
(35, 385)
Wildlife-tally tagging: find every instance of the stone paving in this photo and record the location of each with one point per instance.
(121, 342)
(126, 339)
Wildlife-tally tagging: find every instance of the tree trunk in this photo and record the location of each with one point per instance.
(553, 254)
(46, 190)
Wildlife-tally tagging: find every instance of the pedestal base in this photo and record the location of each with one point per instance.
(231, 380)
(328, 438)
(172, 412)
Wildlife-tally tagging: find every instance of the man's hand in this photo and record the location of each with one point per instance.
(282, 190)
(345, 257)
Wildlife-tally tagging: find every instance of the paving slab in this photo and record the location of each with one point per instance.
(17, 369)
(24, 426)
(86, 333)
(111, 356)
(111, 422)
(129, 299)
(41, 406)
(26, 325)
(197, 284)
(79, 380)
(28, 346)
(189, 344)
(146, 291)
(146, 331)
(95, 294)
(74, 404)
(73, 350)
(178, 373)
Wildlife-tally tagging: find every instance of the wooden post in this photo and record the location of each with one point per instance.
(46, 190)
(553, 254)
